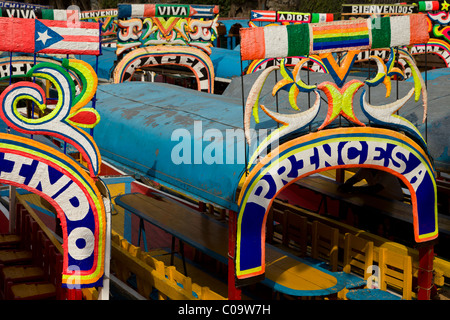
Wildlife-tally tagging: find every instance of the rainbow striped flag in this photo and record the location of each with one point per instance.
(315, 38)
(350, 34)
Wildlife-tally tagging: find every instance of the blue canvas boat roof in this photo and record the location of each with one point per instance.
(142, 123)
(144, 126)
(226, 62)
(105, 62)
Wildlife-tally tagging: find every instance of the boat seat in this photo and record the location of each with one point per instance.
(18, 274)
(9, 241)
(9, 257)
(358, 261)
(395, 272)
(30, 291)
(295, 228)
(371, 294)
(325, 244)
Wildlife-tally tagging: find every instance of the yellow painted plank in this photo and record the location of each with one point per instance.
(291, 274)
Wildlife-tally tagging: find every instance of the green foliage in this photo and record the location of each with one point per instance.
(108, 4)
(321, 6)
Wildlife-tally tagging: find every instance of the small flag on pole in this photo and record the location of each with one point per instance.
(263, 15)
(48, 36)
(305, 39)
(147, 10)
(428, 5)
(321, 17)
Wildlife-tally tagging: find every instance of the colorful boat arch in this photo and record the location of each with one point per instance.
(192, 58)
(434, 46)
(377, 148)
(43, 170)
(404, 155)
(261, 64)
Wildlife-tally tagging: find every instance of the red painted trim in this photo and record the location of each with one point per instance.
(233, 292)
(425, 274)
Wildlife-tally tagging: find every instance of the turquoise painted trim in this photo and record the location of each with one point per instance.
(118, 179)
(5, 193)
(127, 226)
(42, 210)
(283, 289)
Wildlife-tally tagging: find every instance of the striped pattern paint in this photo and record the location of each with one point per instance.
(399, 30)
(428, 5)
(166, 11)
(49, 36)
(343, 35)
(136, 10)
(306, 39)
(275, 41)
(60, 15)
(281, 16)
(46, 14)
(263, 15)
(321, 17)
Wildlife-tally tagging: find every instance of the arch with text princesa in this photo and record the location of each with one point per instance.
(331, 149)
(383, 148)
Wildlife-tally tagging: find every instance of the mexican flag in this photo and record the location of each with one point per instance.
(48, 36)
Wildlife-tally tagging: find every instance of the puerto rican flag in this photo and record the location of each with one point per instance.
(263, 15)
(48, 36)
(207, 12)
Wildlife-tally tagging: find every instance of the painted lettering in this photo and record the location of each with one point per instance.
(381, 9)
(172, 11)
(374, 153)
(415, 177)
(48, 180)
(54, 184)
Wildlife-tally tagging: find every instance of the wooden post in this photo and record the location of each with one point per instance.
(234, 293)
(425, 275)
(340, 175)
(12, 209)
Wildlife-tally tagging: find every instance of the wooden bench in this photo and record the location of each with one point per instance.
(441, 266)
(151, 273)
(391, 208)
(211, 237)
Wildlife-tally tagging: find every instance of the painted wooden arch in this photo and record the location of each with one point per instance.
(331, 149)
(19, 66)
(192, 58)
(262, 64)
(40, 169)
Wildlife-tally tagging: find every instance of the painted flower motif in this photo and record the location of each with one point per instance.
(340, 101)
(292, 83)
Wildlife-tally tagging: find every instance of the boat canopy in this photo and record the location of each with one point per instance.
(193, 142)
(159, 131)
